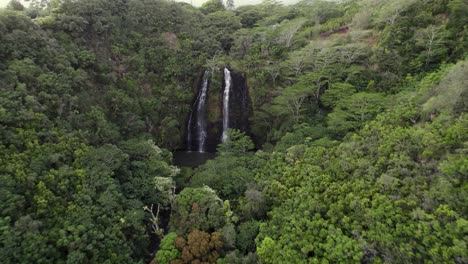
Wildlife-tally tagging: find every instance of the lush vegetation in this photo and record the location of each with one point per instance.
(357, 151)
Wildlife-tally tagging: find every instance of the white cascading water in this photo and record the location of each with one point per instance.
(189, 132)
(201, 115)
(227, 89)
(200, 129)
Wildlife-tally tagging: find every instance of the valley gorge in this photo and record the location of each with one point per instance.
(155, 131)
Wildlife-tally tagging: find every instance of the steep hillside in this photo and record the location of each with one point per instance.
(355, 148)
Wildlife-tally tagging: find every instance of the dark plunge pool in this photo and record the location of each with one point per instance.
(191, 158)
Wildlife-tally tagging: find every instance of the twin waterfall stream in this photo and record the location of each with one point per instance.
(197, 126)
(200, 131)
(227, 90)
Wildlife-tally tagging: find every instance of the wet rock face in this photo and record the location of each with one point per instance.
(239, 108)
(240, 104)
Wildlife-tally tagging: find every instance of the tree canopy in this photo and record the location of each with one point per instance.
(355, 148)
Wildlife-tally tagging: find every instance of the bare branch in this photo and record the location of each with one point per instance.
(154, 219)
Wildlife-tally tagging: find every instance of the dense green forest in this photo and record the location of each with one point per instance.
(357, 149)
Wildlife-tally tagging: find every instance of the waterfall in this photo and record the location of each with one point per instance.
(201, 114)
(189, 132)
(199, 118)
(232, 105)
(227, 89)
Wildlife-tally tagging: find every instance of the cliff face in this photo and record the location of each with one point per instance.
(239, 106)
(240, 103)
